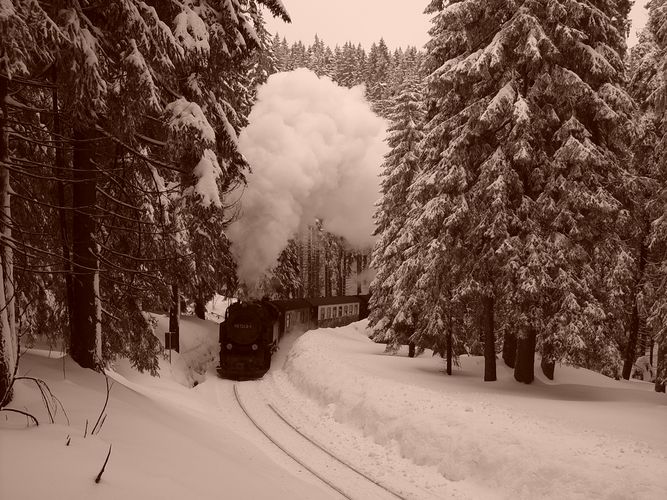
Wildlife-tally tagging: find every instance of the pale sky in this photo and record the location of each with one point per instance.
(399, 22)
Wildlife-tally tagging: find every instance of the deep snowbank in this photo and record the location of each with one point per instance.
(166, 443)
(401, 420)
(469, 436)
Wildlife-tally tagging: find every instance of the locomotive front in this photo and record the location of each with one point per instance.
(246, 341)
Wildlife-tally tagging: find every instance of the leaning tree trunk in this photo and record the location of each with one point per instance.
(524, 369)
(509, 349)
(633, 335)
(489, 339)
(8, 338)
(85, 341)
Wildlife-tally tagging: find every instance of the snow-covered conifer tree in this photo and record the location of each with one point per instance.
(392, 312)
(26, 33)
(526, 138)
(650, 89)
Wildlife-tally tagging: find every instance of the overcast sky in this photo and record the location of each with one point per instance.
(399, 22)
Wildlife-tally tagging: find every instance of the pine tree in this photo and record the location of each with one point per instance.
(647, 83)
(26, 31)
(527, 133)
(392, 313)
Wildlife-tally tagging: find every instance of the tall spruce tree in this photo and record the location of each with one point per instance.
(26, 33)
(526, 138)
(393, 314)
(650, 89)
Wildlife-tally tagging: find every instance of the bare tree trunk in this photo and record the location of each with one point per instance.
(84, 328)
(8, 339)
(524, 369)
(411, 349)
(489, 339)
(633, 335)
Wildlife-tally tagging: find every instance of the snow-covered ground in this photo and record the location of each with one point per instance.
(401, 422)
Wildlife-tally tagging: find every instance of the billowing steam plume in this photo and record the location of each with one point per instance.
(315, 150)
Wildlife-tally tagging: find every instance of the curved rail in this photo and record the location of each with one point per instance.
(315, 443)
(266, 434)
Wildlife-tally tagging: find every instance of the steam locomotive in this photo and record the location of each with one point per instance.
(251, 331)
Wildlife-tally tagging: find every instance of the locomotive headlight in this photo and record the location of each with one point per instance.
(254, 347)
(229, 347)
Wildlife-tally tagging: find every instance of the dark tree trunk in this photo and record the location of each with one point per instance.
(633, 335)
(450, 348)
(630, 355)
(411, 350)
(548, 363)
(661, 368)
(200, 307)
(62, 172)
(509, 349)
(174, 317)
(548, 368)
(650, 352)
(83, 336)
(524, 369)
(489, 339)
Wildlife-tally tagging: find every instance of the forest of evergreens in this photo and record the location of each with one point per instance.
(523, 198)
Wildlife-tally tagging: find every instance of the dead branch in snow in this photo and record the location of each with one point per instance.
(99, 476)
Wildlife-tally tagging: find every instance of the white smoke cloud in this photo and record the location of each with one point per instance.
(315, 150)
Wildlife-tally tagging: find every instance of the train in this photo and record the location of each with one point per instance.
(251, 330)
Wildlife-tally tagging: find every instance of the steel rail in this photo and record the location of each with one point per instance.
(315, 443)
(279, 446)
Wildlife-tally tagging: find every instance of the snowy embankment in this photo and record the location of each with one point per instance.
(582, 436)
(401, 420)
(169, 441)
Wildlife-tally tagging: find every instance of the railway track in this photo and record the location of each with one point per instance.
(337, 474)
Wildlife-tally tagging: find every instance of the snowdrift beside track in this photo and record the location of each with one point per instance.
(470, 438)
